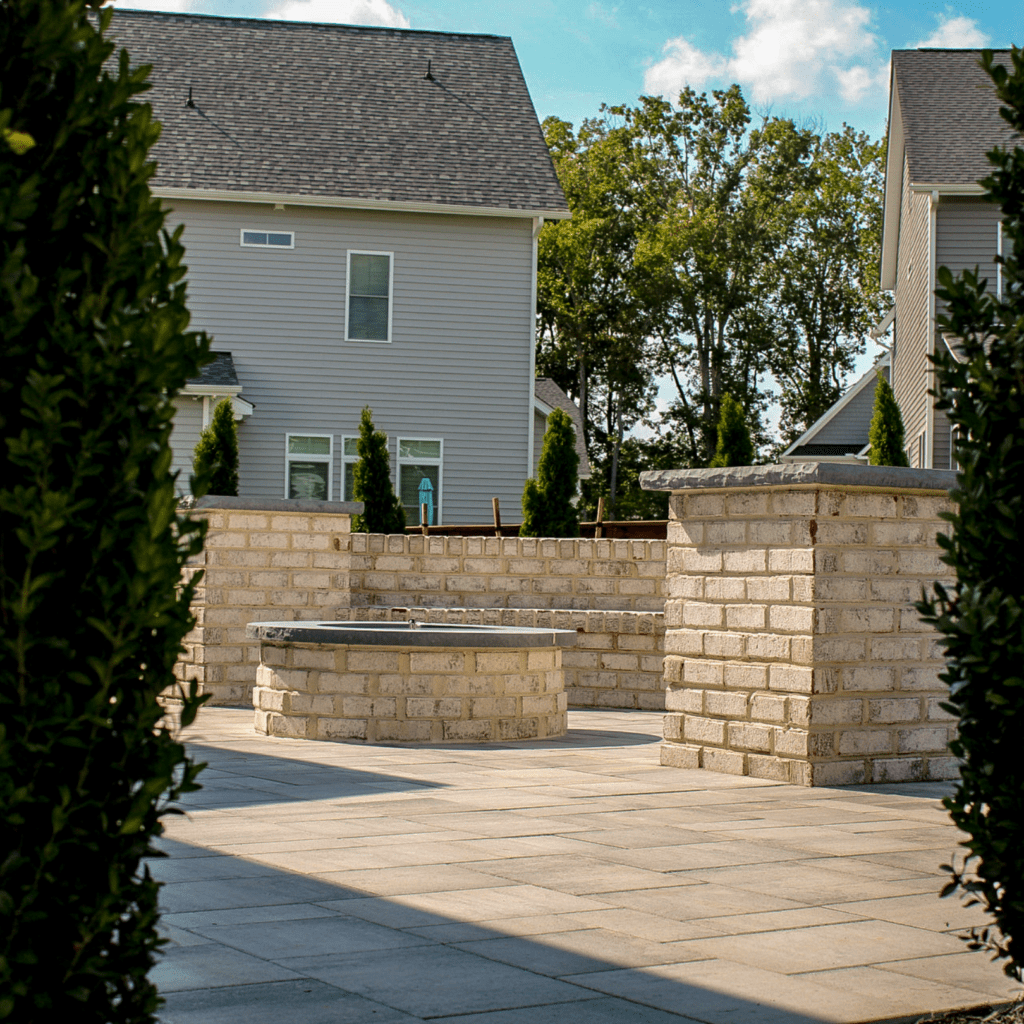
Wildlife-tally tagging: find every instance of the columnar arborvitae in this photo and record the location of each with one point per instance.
(548, 509)
(981, 618)
(93, 330)
(216, 456)
(735, 447)
(886, 433)
(382, 511)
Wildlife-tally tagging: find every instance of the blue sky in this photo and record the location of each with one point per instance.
(824, 61)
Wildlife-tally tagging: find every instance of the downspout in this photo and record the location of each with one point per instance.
(538, 223)
(929, 438)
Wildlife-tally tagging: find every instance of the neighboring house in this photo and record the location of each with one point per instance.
(841, 433)
(361, 210)
(943, 118)
(548, 397)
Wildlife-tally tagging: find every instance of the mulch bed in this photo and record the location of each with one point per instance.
(980, 1015)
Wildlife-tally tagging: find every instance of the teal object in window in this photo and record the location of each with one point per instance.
(426, 494)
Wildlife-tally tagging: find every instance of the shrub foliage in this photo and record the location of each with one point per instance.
(735, 447)
(216, 455)
(886, 433)
(382, 511)
(93, 328)
(548, 509)
(981, 619)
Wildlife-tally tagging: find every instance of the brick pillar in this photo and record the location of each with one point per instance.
(792, 648)
(264, 561)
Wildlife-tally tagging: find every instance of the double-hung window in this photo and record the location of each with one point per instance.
(419, 478)
(349, 458)
(308, 459)
(368, 305)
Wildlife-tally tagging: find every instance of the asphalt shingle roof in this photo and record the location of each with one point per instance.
(218, 374)
(950, 114)
(341, 111)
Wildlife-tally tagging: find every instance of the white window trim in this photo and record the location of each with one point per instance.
(256, 245)
(439, 462)
(348, 292)
(289, 458)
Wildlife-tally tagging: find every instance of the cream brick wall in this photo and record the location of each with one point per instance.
(792, 648)
(390, 570)
(260, 567)
(409, 695)
(617, 661)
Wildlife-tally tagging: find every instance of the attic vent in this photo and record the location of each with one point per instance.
(269, 239)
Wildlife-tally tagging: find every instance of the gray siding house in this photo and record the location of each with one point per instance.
(943, 118)
(361, 211)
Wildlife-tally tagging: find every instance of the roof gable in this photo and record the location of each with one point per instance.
(341, 111)
(950, 115)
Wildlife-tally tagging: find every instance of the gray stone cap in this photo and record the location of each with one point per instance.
(220, 501)
(800, 474)
(402, 634)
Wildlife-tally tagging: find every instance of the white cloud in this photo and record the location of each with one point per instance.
(792, 49)
(340, 12)
(956, 32)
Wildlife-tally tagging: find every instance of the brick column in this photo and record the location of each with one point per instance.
(263, 560)
(793, 651)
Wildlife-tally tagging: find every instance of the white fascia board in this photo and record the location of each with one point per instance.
(209, 390)
(343, 203)
(831, 412)
(947, 188)
(894, 158)
(242, 407)
(541, 406)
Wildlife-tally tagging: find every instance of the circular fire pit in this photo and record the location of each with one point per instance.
(397, 682)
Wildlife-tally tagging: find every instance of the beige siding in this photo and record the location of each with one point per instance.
(910, 365)
(457, 368)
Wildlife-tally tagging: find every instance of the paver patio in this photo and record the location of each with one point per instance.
(573, 881)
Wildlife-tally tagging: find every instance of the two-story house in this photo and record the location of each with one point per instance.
(361, 211)
(943, 119)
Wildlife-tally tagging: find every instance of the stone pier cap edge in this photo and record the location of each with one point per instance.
(801, 474)
(400, 634)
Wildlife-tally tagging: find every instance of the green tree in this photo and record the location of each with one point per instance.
(886, 432)
(981, 619)
(93, 324)
(823, 279)
(382, 511)
(216, 456)
(548, 509)
(593, 327)
(734, 447)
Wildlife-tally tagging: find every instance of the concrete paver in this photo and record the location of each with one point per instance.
(570, 881)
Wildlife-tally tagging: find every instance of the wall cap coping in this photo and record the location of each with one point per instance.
(400, 634)
(222, 502)
(800, 474)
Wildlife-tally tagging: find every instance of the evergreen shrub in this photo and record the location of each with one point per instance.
(548, 508)
(886, 433)
(981, 619)
(93, 325)
(735, 448)
(382, 511)
(216, 456)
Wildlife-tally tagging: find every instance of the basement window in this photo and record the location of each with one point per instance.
(267, 239)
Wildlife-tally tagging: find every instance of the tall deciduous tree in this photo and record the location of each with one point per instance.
(823, 279)
(981, 619)
(93, 325)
